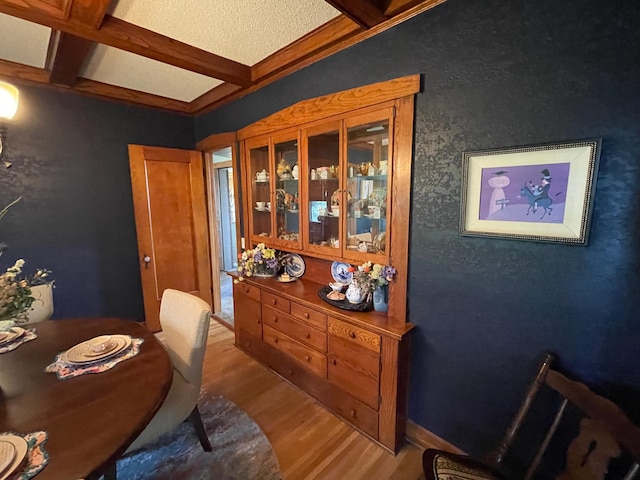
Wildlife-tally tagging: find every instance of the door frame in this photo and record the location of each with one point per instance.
(207, 146)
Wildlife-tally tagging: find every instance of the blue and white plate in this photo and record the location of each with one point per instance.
(340, 272)
(294, 265)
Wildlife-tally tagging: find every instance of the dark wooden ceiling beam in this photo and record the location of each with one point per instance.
(132, 38)
(366, 13)
(67, 53)
(66, 56)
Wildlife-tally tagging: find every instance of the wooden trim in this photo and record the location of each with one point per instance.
(133, 96)
(244, 198)
(387, 433)
(12, 71)
(320, 108)
(214, 240)
(217, 141)
(401, 194)
(366, 13)
(132, 38)
(299, 62)
(322, 37)
(217, 94)
(423, 438)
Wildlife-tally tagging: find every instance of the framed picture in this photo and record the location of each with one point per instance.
(539, 192)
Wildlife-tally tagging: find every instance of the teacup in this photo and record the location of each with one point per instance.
(100, 344)
(260, 205)
(335, 211)
(337, 287)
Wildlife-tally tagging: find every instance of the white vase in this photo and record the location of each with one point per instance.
(42, 307)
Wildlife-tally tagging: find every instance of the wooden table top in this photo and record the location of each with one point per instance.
(91, 419)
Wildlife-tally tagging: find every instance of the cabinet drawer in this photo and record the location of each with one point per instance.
(295, 329)
(275, 302)
(247, 312)
(252, 324)
(309, 316)
(305, 356)
(246, 289)
(358, 336)
(355, 370)
(353, 411)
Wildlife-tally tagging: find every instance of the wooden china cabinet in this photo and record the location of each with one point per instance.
(330, 179)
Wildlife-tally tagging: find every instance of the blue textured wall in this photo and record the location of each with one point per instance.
(504, 73)
(71, 165)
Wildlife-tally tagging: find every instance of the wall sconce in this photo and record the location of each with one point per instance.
(8, 108)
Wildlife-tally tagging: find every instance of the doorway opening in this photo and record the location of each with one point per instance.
(224, 232)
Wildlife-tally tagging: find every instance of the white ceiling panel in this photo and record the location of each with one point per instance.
(23, 42)
(124, 69)
(246, 31)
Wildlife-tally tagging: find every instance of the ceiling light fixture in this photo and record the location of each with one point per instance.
(8, 108)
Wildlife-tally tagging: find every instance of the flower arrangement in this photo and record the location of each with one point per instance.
(258, 260)
(370, 276)
(15, 291)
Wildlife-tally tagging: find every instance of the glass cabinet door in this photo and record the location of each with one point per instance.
(323, 200)
(287, 193)
(259, 190)
(368, 171)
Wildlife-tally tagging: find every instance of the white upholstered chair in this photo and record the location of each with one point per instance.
(185, 323)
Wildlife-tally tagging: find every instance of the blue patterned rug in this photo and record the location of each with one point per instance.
(240, 449)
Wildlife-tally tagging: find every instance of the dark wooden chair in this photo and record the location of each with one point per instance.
(604, 433)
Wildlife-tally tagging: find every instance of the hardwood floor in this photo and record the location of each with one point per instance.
(309, 442)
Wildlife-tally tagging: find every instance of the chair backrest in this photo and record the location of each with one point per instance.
(185, 321)
(605, 432)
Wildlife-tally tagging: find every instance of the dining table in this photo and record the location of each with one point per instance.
(90, 419)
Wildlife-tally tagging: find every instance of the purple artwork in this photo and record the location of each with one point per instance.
(531, 193)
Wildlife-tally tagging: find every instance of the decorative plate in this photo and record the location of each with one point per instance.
(11, 335)
(340, 272)
(294, 265)
(82, 353)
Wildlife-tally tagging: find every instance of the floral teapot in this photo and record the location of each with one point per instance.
(355, 294)
(262, 176)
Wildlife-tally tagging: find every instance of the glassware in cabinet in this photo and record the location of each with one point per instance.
(369, 144)
(287, 193)
(259, 183)
(323, 194)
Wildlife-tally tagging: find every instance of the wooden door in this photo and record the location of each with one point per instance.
(171, 224)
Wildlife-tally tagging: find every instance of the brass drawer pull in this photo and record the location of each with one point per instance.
(334, 362)
(308, 358)
(306, 315)
(352, 334)
(353, 413)
(275, 340)
(275, 319)
(308, 335)
(274, 301)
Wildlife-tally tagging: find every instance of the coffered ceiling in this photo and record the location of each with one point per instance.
(184, 55)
